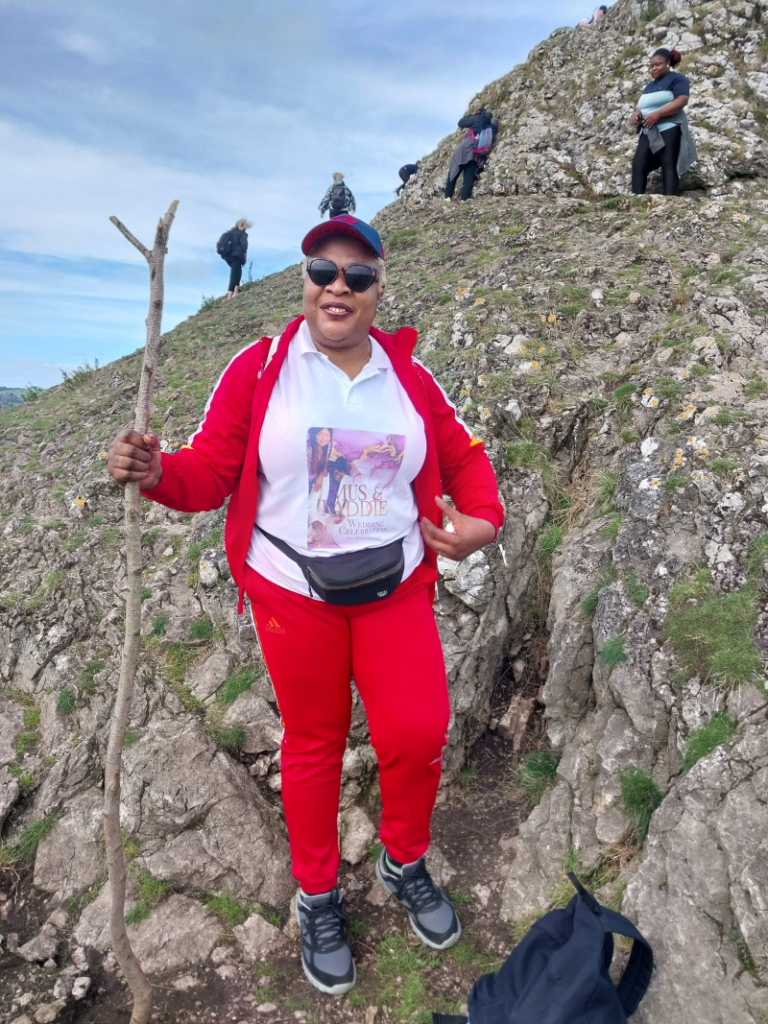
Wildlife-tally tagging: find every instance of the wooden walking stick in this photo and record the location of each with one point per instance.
(140, 988)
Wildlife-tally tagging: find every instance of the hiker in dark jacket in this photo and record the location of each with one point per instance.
(338, 198)
(463, 158)
(664, 137)
(236, 252)
(406, 172)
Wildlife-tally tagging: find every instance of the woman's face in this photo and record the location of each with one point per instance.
(339, 318)
(323, 437)
(659, 67)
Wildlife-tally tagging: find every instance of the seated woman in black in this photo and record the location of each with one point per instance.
(665, 139)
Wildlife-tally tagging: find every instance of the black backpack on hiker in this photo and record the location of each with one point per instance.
(226, 243)
(339, 200)
(558, 974)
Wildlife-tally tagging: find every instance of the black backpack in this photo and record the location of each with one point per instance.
(226, 243)
(558, 974)
(339, 199)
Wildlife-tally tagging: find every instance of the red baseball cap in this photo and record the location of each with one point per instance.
(343, 225)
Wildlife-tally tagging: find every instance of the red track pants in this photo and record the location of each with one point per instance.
(392, 649)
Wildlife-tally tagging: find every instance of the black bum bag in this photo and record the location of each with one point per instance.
(356, 577)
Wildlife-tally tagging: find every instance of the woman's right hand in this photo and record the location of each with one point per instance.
(636, 118)
(135, 457)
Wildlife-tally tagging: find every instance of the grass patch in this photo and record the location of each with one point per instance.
(24, 742)
(151, 891)
(227, 909)
(65, 702)
(466, 777)
(7, 856)
(158, 625)
(32, 836)
(605, 487)
(589, 604)
(723, 467)
(636, 592)
(758, 556)
(665, 387)
(85, 676)
(201, 629)
(640, 796)
(31, 718)
(130, 738)
(241, 680)
(536, 774)
(622, 396)
(714, 636)
(612, 652)
(550, 538)
(755, 386)
(611, 529)
(702, 741)
(226, 737)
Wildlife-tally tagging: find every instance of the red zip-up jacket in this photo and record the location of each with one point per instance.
(223, 455)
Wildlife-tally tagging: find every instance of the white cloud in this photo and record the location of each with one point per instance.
(83, 45)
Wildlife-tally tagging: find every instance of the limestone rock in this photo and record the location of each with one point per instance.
(200, 819)
(258, 938)
(357, 833)
(69, 860)
(263, 732)
(44, 946)
(178, 933)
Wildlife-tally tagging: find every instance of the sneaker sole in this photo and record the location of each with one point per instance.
(329, 990)
(450, 941)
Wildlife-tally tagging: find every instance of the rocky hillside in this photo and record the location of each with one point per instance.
(606, 658)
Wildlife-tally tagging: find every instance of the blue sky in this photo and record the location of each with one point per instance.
(235, 107)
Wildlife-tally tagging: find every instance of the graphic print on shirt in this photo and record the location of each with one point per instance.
(349, 473)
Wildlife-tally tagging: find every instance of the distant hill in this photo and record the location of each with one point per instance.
(10, 397)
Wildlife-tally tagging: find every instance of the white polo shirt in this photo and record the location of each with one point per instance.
(337, 461)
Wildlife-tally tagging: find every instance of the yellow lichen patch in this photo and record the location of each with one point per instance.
(688, 413)
(461, 293)
(742, 217)
(80, 502)
(678, 460)
(655, 482)
(103, 453)
(479, 302)
(483, 413)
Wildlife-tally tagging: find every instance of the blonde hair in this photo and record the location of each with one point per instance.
(338, 176)
(379, 266)
(243, 224)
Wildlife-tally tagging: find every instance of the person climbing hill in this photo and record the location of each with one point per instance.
(338, 198)
(471, 153)
(665, 138)
(406, 172)
(598, 15)
(233, 249)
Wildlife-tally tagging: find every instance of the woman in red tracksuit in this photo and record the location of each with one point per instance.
(338, 558)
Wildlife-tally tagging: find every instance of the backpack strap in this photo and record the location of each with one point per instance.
(446, 1018)
(637, 974)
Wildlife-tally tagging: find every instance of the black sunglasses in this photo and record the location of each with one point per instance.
(359, 278)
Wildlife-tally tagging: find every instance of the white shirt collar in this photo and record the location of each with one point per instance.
(379, 358)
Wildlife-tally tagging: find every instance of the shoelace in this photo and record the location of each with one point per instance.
(326, 926)
(421, 891)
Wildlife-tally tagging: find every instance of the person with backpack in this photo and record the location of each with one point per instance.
(406, 172)
(233, 249)
(471, 153)
(338, 198)
(336, 447)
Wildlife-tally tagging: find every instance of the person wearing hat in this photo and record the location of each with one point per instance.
(338, 198)
(335, 448)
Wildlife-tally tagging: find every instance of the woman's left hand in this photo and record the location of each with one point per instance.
(469, 533)
(651, 119)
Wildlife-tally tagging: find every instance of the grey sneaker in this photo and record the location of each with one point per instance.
(325, 953)
(430, 911)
